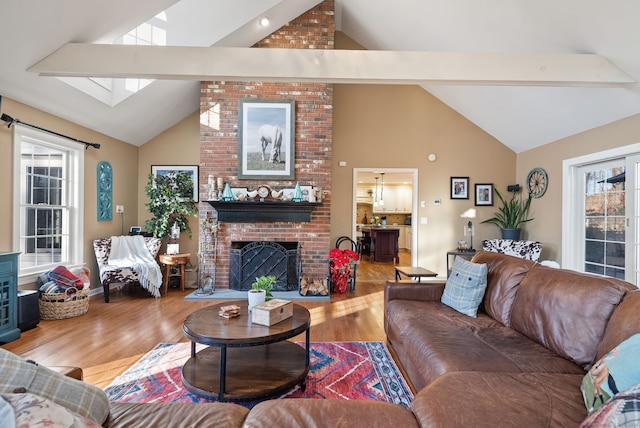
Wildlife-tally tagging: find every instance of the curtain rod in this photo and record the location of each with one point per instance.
(10, 121)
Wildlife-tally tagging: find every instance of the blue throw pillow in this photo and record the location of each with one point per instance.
(465, 286)
(617, 371)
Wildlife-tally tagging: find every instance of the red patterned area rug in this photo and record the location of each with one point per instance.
(342, 370)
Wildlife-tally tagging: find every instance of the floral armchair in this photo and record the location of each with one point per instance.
(118, 275)
(529, 250)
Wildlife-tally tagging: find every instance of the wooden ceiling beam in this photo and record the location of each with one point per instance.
(330, 66)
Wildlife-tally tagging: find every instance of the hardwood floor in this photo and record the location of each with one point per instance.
(112, 336)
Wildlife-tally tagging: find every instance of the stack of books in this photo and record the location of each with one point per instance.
(229, 311)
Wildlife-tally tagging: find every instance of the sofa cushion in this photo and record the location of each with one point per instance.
(227, 415)
(624, 323)
(432, 339)
(500, 400)
(465, 286)
(33, 411)
(622, 411)
(504, 274)
(296, 412)
(617, 371)
(566, 311)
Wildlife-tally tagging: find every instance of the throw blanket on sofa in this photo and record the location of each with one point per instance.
(131, 251)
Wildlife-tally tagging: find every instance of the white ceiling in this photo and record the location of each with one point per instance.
(521, 117)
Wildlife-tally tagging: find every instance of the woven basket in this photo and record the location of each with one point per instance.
(58, 306)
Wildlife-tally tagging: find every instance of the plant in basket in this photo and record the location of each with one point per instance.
(341, 266)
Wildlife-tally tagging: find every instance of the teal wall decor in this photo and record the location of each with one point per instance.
(105, 191)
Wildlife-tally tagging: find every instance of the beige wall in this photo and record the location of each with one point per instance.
(397, 127)
(123, 158)
(178, 145)
(547, 210)
(384, 126)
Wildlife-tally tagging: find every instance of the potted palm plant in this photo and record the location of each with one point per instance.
(511, 215)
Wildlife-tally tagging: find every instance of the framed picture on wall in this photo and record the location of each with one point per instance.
(266, 139)
(192, 170)
(484, 194)
(459, 187)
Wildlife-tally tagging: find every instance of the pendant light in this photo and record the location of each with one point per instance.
(382, 190)
(375, 197)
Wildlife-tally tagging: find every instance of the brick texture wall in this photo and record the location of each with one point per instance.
(313, 135)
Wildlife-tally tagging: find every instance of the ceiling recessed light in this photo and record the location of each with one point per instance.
(264, 21)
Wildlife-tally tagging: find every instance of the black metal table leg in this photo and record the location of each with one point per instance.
(223, 371)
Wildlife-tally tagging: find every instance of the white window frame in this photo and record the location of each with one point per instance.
(74, 193)
(572, 224)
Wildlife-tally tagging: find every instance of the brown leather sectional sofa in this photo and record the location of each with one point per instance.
(520, 363)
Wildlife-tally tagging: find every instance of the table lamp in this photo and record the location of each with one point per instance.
(468, 228)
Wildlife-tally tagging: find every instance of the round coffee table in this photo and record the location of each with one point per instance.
(244, 361)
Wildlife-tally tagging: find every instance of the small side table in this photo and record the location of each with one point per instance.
(173, 259)
(414, 272)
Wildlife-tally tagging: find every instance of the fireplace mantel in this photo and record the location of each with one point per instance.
(263, 212)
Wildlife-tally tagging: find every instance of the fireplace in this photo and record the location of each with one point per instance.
(251, 259)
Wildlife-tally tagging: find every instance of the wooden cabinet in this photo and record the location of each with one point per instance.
(409, 237)
(389, 198)
(397, 199)
(9, 297)
(363, 196)
(404, 197)
(402, 237)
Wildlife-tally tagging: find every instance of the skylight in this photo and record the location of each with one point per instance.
(113, 91)
(185, 23)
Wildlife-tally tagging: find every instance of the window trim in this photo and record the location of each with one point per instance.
(75, 180)
(570, 257)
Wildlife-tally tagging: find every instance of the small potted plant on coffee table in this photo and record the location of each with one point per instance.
(261, 290)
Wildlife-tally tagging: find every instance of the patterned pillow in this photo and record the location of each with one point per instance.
(33, 411)
(465, 286)
(79, 397)
(528, 250)
(622, 411)
(617, 371)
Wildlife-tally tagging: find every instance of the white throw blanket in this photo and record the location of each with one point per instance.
(131, 251)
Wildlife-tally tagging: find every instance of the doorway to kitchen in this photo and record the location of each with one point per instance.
(389, 196)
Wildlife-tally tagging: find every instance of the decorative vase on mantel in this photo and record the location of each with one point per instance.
(297, 194)
(256, 297)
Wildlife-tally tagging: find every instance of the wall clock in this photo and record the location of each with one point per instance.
(537, 182)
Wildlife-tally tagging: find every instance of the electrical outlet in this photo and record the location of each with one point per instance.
(120, 209)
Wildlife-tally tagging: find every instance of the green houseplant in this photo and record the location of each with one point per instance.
(168, 205)
(511, 215)
(264, 283)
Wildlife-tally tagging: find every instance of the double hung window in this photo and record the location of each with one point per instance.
(48, 194)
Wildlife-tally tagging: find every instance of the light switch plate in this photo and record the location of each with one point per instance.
(423, 220)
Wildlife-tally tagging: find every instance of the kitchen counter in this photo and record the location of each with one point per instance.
(384, 242)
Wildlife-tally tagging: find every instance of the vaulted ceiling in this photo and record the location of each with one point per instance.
(507, 91)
